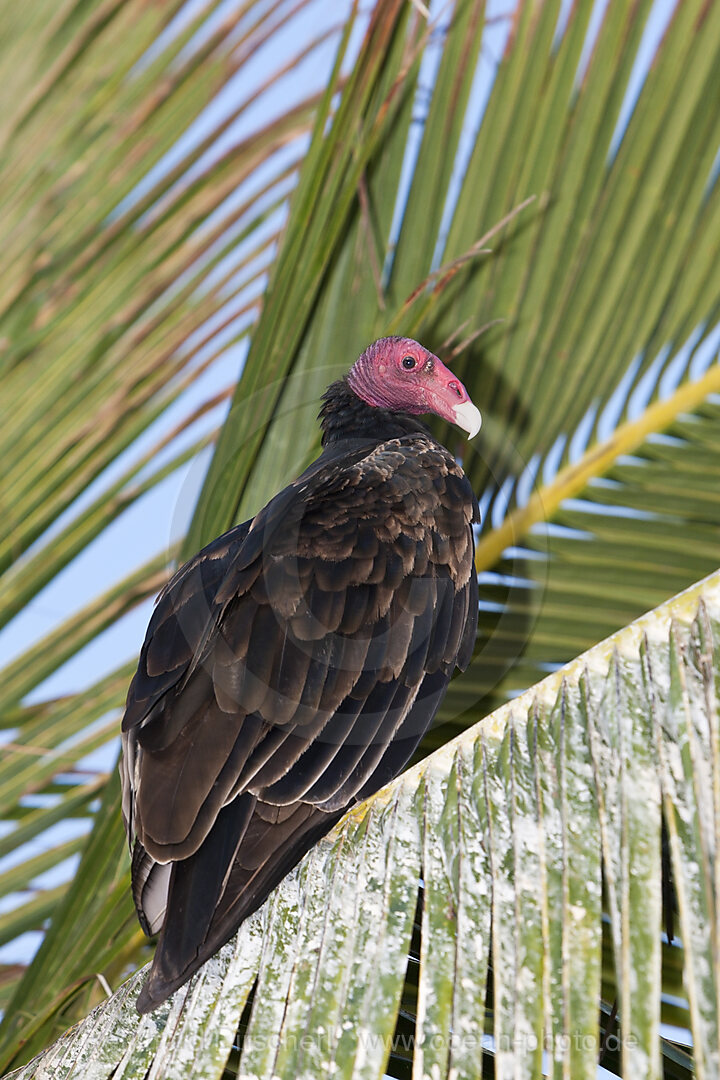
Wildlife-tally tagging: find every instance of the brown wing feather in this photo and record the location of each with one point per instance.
(290, 668)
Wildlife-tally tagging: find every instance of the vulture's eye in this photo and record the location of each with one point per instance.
(408, 362)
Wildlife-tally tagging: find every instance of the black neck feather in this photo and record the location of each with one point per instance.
(346, 416)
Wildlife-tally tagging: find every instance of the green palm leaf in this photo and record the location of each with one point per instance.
(508, 826)
(128, 272)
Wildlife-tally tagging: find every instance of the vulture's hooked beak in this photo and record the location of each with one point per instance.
(468, 417)
(449, 399)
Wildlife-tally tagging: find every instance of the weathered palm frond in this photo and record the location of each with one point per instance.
(511, 830)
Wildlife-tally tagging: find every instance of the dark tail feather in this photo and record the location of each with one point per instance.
(274, 839)
(196, 885)
(275, 842)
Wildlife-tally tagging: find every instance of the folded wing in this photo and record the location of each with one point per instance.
(289, 670)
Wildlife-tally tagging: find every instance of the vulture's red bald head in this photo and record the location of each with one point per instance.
(399, 374)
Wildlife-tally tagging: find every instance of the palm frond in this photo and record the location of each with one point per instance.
(510, 828)
(130, 265)
(133, 264)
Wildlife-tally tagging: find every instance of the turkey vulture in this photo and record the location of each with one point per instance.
(291, 668)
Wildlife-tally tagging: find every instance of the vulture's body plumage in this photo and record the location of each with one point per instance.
(291, 668)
